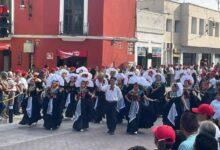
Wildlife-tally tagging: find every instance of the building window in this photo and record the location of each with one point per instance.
(177, 26)
(216, 29)
(194, 25)
(189, 58)
(211, 25)
(201, 26)
(73, 17)
(169, 25)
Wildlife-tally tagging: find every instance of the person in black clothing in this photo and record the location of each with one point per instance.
(174, 107)
(31, 106)
(83, 108)
(207, 92)
(52, 107)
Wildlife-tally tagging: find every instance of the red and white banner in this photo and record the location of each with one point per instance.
(4, 46)
(65, 55)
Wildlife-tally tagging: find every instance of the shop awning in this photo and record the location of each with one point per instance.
(64, 54)
(4, 46)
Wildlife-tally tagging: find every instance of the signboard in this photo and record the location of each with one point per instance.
(142, 51)
(65, 55)
(49, 56)
(156, 52)
(28, 47)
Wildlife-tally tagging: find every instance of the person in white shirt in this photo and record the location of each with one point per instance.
(113, 95)
(216, 105)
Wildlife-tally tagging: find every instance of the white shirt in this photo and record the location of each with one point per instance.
(216, 105)
(23, 81)
(112, 95)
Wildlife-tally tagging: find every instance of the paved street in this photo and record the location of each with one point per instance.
(17, 137)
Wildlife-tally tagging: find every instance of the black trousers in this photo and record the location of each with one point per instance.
(111, 115)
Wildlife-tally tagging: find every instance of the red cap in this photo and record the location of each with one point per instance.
(24, 73)
(204, 109)
(165, 132)
(53, 69)
(17, 71)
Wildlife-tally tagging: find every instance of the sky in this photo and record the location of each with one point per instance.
(205, 3)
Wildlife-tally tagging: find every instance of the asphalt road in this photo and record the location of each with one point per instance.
(16, 137)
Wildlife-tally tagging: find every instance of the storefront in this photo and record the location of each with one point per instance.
(5, 57)
(189, 58)
(156, 56)
(143, 56)
(74, 58)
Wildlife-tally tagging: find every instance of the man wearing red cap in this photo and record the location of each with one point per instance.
(204, 112)
(164, 136)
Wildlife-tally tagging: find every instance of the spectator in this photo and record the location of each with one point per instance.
(189, 125)
(180, 137)
(164, 137)
(216, 105)
(205, 142)
(208, 127)
(204, 112)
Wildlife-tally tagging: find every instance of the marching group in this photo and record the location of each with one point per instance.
(139, 96)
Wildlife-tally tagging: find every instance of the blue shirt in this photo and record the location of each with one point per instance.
(188, 144)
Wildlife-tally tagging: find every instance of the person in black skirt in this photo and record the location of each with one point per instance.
(83, 109)
(158, 92)
(70, 104)
(31, 106)
(52, 107)
(100, 97)
(134, 97)
(174, 107)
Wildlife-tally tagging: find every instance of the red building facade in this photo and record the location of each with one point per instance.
(104, 38)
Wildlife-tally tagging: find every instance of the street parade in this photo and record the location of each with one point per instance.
(129, 94)
(109, 74)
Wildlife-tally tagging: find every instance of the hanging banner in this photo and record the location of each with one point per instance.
(156, 52)
(65, 55)
(4, 46)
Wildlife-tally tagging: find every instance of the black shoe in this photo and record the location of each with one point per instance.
(111, 133)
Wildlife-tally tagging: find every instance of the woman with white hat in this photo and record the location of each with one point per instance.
(174, 106)
(84, 105)
(158, 91)
(32, 106)
(71, 90)
(100, 97)
(52, 105)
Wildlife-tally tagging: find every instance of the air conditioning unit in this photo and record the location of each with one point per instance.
(28, 47)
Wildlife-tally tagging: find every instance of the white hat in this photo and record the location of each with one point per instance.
(88, 74)
(71, 75)
(143, 82)
(133, 80)
(80, 80)
(188, 78)
(53, 78)
(109, 70)
(163, 80)
(62, 71)
(81, 69)
(120, 76)
(146, 73)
